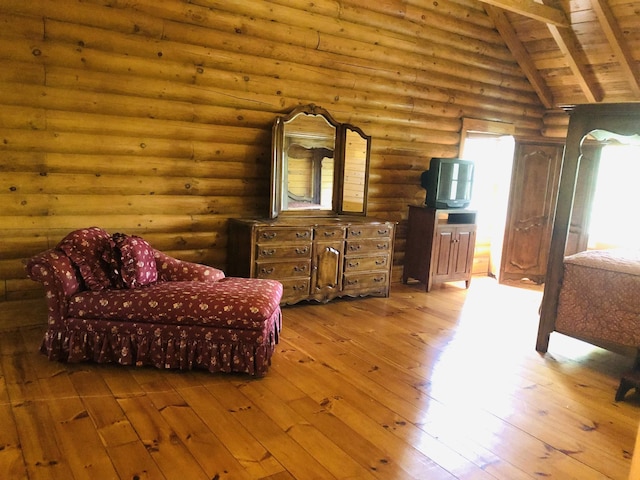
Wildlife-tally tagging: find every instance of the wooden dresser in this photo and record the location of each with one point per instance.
(315, 258)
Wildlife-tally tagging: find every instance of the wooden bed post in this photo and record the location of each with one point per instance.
(622, 119)
(564, 204)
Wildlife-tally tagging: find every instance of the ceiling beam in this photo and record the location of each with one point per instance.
(620, 48)
(521, 55)
(577, 60)
(531, 9)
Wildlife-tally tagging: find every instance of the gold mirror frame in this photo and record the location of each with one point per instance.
(319, 167)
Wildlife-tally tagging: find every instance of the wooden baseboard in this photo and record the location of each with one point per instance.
(21, 313)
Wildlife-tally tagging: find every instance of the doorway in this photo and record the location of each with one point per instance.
(491, 146)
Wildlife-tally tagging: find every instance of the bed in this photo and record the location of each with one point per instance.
(591, 296)
(599, 301)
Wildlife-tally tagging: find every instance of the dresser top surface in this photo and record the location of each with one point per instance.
(342, 220)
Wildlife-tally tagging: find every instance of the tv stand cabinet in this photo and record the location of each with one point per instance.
(440, 245)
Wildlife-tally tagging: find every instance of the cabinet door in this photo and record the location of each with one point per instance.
(454, 252)
(327, 268)
(534, 185)
(464, 242)
(442, 251)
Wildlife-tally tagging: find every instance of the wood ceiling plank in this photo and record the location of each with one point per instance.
(616, 39)
(577, 62)
(520, 54)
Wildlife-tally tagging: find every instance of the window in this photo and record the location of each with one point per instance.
(613, 217)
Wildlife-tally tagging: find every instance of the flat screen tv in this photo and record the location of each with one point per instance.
(448, 183)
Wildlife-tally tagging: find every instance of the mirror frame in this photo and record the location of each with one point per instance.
(278, 164)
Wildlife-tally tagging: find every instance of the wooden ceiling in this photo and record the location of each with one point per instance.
(574, 52)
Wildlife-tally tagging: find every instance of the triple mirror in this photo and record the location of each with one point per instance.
(319, 166)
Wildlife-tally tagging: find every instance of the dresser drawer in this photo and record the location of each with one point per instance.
(369, 231)
(329, 233)
(278, 270)
(365, 281)
(279, 234)
(294, 290)
(367, 246)
(282, 251)
(359, 264)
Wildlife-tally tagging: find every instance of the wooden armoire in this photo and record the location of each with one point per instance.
(532, 203)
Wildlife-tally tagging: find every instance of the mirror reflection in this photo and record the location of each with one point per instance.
(308, 163)
(356, 155)
(319, 166)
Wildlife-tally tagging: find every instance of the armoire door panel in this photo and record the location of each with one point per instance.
(534, 185)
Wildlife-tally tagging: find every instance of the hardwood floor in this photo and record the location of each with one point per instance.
(437, 385)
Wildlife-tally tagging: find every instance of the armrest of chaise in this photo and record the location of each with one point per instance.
(171, 269)
(55, 271)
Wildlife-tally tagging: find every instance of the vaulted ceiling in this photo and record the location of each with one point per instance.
(574, 51)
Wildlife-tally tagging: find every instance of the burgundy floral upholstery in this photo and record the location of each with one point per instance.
(190, 316)
(86, 249)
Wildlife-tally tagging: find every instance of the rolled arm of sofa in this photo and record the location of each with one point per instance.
(174, 270)
(55, 271)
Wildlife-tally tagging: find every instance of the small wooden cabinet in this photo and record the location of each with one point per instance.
(314, 258)
(440, 245)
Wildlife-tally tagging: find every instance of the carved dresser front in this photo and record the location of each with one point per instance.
(314, 258)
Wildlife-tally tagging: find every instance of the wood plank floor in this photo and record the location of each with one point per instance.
(438, 385)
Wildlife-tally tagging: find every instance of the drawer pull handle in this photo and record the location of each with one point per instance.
(267, 271)
(382, 261)
(354, 248)
(302, 234)
(383, 232)
(302, 251)
(378, 279)
(269, 235)
(354, 264)
(300, 268)
(267, 253)
(382, 246)
(356, 233)
(353, 282)
(329, 234)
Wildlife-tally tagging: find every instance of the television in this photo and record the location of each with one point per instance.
(448, 183)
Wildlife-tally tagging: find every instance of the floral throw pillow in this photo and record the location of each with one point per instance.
(86, 250)
(132, 260)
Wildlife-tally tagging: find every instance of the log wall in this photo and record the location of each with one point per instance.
(153, 117)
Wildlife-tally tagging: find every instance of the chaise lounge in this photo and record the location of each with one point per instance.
(115, 299)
